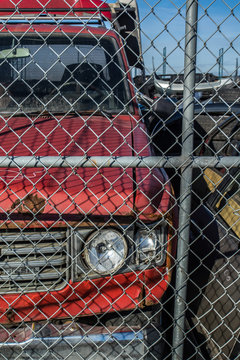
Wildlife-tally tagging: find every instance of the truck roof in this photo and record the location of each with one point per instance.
(79, 8)
(48, 28)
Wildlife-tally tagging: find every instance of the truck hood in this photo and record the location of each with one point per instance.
(67, 192)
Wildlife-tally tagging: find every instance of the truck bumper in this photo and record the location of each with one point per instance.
(73, 341)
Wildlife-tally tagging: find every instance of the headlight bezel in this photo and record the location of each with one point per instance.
(99, 233)
(151, 249)
(132, 260)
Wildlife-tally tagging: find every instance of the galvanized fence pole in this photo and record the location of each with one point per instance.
(186, 179)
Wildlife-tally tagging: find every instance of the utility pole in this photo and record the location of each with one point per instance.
(236, 71)
(220, 63)
(164, 60)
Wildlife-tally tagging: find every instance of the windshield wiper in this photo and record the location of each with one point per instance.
(21, 112)
(38, 113)
(110, 112)
(41, 112)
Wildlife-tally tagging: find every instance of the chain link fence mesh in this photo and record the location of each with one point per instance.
(119, 169)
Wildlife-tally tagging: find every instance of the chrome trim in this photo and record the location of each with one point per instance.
(32, 263)
(172, 88)
(72, 331)
(25, 251)
(72, 338)
(76, 339)
(35, 258)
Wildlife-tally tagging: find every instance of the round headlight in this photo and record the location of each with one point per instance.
(105, 251)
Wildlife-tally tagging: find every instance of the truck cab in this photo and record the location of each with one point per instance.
(77, 243)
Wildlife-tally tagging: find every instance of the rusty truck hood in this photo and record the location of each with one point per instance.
(45, 192)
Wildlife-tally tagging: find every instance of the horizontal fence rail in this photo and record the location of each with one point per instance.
(120, 161)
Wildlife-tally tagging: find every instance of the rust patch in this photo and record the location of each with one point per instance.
(141, 298)
(149, 302)
(31, 203)
(41, 223)
(10, 315)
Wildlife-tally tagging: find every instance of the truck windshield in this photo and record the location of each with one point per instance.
(62, 74)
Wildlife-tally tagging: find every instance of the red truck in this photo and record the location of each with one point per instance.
(82, 249)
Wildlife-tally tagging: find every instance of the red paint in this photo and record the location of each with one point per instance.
(153, 194)
(73, 197)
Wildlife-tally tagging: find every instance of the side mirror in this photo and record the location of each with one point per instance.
(163, 108)
(14, 53)
(126, 22)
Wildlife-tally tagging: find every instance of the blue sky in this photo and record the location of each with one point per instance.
(163, 24)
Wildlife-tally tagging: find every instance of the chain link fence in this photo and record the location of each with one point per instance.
(119, 169)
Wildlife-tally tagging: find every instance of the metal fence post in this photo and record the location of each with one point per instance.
(186, 179)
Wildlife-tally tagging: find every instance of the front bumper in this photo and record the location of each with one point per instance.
(74, 341)
(121, 292)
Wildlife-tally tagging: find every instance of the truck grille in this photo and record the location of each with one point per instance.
(33, 261)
